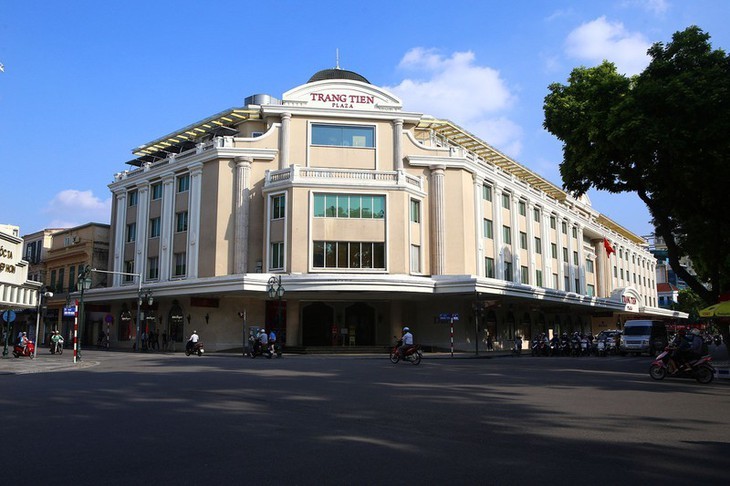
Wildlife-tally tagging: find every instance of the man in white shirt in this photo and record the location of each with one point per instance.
(407, 339)
(192, 341)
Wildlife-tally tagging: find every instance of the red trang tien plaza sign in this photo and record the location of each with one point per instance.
(342, 100)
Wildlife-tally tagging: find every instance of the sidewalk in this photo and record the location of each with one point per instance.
(43, 363)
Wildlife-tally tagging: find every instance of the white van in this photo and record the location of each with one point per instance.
(643, 336)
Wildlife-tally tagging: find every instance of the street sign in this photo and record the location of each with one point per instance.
(69, 311)
(448, 317)
(9, 316)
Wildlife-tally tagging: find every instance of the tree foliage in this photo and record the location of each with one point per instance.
(663, 134)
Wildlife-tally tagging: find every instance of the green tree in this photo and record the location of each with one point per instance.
(662, 134)
(688, 301)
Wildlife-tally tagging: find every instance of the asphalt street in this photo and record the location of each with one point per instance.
(122, 418)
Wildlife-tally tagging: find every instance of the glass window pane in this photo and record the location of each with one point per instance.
(319, 202)
(354, 206)
(342, 204)
(354, 255)
(367, 255)
(378, 255)
(378, 207)
(330, 255)
(342, 253)
(326, 135)
(331, 205)
(318, 254)
(367, 207)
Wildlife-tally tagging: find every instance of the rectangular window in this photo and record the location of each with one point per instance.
(488, 231)
(525, 275)
(575, 232)
(538, 246)
(129, 269)
(508, 276)
(575, 258)
(552, 222)
(155, 227)
(153, 268)
(277, 255)
(183, 183)
(278, 209)
(343, 136)
(565, 255)
(615, 273)
(61, 275)
(489, 267)
(72, 278)
(349, 206)
(523, 240)
(181, 221)
(132, 198)
(507, 235)
(589, 265)
(622, 274)
(577, 285)
(523, 208)
(554, 251)
(181, 264)
(505, 200)
(131, 232)
(538, 278)
(555, 281)
(415, 259)
(536, 215)
(487, 192)
(415, 211)
(566, 282)
(156, 191)
(564, 227)
(591, 290)
(53, 280)
(348, 254)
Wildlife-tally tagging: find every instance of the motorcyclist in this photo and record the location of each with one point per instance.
(190, 346)
(24, 342)
(262, 340)
(683, 353)
(272, 341)
(55, 339)
(406, 341)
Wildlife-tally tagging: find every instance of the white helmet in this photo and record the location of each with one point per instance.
(406, 329)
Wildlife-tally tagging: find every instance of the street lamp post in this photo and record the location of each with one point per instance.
(83, 283)
(143, 295)
(42, 293)
(276, 290)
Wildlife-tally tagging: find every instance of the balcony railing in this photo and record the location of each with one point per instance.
(355, 177)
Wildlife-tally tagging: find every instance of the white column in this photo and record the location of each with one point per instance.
(196, 181)
(438, 220)
(140, 246)
(561, 264)
(571, 262)
(478, 226)
(497, 231)
(167, 214)
(547, 255)
(119, 235)
(531, 255)
(516, 260)
(397, 144)
(285, 140)
(581, 262)
(242, 194)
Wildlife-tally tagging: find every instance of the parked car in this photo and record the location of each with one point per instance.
(643, 336)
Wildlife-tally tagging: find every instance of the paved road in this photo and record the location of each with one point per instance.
(128, 419)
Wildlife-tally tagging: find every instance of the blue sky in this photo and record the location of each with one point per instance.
(85, 82)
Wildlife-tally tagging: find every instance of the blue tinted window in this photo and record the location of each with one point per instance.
(343, 136)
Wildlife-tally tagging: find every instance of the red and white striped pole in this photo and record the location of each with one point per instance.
(76, 330)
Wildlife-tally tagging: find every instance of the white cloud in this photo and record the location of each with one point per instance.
(72, 208)
(455, 87)
(600, 40)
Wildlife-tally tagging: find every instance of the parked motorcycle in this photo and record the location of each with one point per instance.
(196, 349)
(29, 349)
(699, 369)
(601, 348)
(412, 354)
(57, 347)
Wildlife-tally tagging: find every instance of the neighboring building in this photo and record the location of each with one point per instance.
(668, 295)
(17, 292)
(71, 251)
(36, 250)
(372, 217)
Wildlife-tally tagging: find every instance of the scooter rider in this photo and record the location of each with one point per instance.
(24, 342)
(55, 340)
(272, 341)
(192, 341)
(262, 340)
(407, 341)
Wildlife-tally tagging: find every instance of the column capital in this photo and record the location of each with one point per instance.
(286, 116)
(243, 160)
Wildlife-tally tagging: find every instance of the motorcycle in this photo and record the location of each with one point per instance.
(699, 369)
(258, 349)
(57, 347)
(412, 354)
(197, 348)
(29, 350)
(601, 348)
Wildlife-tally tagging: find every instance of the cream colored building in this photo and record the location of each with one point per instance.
(373, 217)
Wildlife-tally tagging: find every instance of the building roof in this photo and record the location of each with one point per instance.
(666, 287)
(336, 73)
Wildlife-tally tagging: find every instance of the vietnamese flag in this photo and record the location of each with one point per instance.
(608, 247)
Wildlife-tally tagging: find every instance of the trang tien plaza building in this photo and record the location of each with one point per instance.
(335, 217)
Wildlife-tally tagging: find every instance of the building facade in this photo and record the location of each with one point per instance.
(369, 218)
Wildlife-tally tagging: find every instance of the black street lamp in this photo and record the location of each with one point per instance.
(43, 293)
(276, 291)
(143, 295)
(83, 283)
